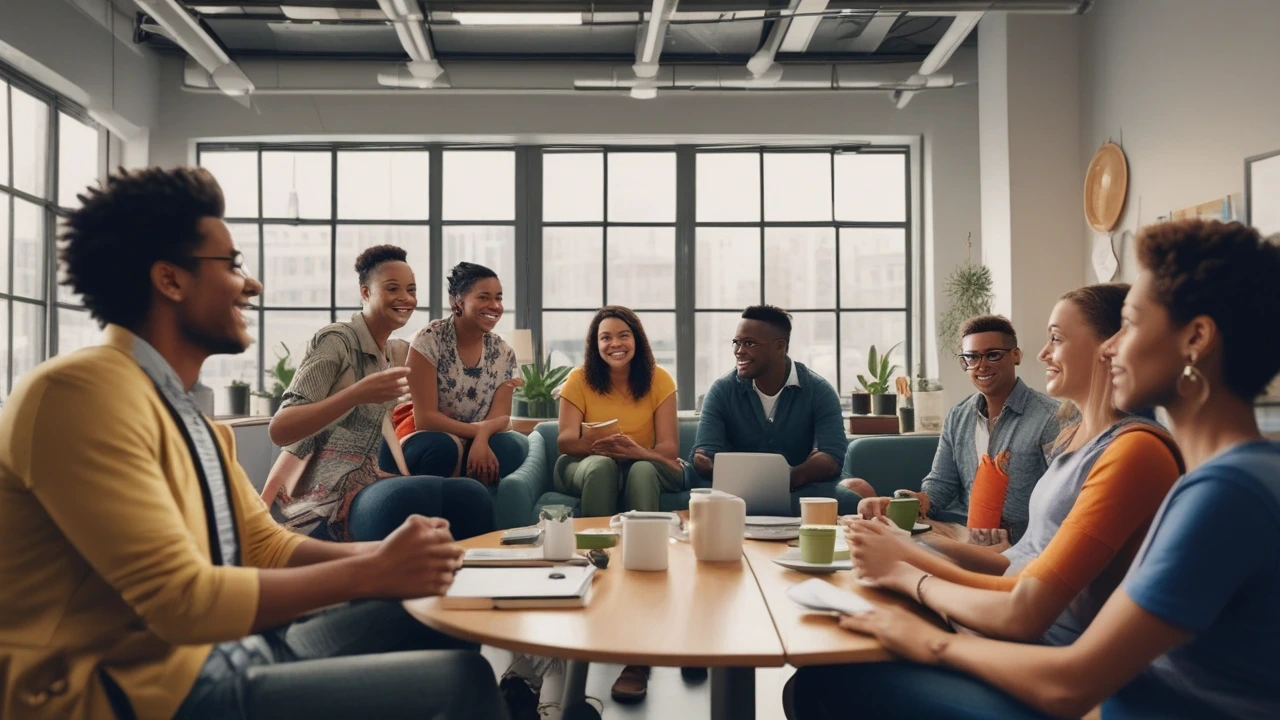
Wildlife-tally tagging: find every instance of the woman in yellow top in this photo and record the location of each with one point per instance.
(618, 380)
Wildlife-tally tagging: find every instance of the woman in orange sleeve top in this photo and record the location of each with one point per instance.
(1088, 513)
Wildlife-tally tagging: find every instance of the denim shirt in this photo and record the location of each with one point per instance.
(1026, 428)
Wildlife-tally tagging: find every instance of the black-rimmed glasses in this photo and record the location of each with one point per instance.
(236, 258)
(970, 360)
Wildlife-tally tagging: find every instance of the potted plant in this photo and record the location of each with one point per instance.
(929, 403)
(860, 402)
(882, 402)
(537, 395)
(907, 412)
(969, 288)
(282, 373)
(238, 398)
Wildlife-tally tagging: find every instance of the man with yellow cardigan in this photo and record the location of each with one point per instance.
(140, 574)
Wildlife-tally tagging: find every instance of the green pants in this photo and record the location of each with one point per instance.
(596, 480)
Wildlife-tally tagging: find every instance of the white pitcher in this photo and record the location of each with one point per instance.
(717, 521)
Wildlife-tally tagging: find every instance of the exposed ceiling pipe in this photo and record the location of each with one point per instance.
(183, 29)
(947, 45)
(762, 61)
(649, 48)
(422, 70)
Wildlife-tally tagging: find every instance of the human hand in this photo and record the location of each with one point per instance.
(417, 559)
(877, 548)
(859, 487)
(873, 507)
(616, 446)
(995, 538)
(482, 464)
(902, 632)
(382, 387)
(703, 464)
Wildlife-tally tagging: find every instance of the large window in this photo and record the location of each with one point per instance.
(49, 153)
(686, 237)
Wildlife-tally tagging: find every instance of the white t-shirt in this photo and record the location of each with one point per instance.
(769, 402)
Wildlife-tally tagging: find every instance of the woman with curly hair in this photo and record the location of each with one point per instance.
(618, 380)
(1191, 631)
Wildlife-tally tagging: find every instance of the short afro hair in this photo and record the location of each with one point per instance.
(988, 323)
(1228, 272)
(138, 218)
(371, 258)
(464, 276)
(773, 315)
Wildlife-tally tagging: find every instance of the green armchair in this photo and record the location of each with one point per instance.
(891, 462)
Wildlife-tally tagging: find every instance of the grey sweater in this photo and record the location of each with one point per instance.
(1026, 428)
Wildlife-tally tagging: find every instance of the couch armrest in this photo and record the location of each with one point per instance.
(519, 491)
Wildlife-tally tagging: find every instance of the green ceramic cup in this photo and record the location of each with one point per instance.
(818, 543)
(903, 512)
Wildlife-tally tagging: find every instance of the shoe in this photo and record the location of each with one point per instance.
(693, 674)
(521, 700)
(632, 685)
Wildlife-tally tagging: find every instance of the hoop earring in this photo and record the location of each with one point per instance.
(1191, 383)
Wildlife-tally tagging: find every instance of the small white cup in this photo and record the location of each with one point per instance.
(558, 539)
(644, 543)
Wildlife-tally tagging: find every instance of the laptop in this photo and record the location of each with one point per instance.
(762, 480)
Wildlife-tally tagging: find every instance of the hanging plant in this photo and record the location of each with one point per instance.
(969, 289)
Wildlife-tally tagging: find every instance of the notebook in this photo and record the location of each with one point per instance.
(597, 430)
(479, 588)
(514, 557)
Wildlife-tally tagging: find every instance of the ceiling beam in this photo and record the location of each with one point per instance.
(876, 30)
(188, 34)
(651, 37)
(947, 45)
(800, 29)
(409, 21)
(762, 61)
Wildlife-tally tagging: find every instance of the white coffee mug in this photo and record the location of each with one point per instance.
(644, 543)
(558, 539)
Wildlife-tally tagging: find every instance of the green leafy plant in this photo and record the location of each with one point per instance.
(239, 383)
(282, 372)
(881, 372)
(539, 383)
(969, 289)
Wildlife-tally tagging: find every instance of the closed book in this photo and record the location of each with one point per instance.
(478, 588)
(598, 430)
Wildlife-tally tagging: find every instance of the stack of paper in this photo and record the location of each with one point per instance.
(822, 596)
(514, 557)
(768, 527)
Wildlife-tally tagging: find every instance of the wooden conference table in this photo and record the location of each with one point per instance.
(729, 617)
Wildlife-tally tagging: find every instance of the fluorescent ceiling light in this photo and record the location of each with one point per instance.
(517, 18)
(296, 12)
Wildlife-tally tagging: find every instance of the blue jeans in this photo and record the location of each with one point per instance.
(361, 659)
(382, 507)
(435, 453)
(900, 691)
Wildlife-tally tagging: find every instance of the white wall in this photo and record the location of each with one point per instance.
(945, 122)
(1189, 89)
(65, 47)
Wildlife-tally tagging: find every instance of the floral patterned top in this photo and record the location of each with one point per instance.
(464, 393)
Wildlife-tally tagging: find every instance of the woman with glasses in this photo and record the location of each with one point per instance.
(336, 414)
(993, 447)
(1191, 631)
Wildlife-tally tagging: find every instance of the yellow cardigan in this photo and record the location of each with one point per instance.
(104, 545)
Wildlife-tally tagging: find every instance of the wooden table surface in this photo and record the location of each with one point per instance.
(694, 614)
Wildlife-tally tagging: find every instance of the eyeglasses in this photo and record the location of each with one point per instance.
(970, 360)
(236, 258)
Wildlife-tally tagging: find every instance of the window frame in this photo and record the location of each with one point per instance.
(529, 226)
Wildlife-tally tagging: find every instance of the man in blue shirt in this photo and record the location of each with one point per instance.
(773, 404)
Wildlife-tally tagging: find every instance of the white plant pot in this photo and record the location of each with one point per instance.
(931, 409)
(260, 406)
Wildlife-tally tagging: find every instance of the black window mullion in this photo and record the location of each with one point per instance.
(262, 270)
(604, 233)
(50, 345)
(686, 275)
(435, 209)
(831, 168)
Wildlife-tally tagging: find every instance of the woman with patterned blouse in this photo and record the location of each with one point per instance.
(336, 414)
(461, 377)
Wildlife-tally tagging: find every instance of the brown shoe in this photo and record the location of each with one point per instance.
(632, 685)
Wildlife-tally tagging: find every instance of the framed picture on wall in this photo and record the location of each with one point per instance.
(1262, 192)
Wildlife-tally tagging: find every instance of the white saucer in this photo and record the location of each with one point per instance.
(771, 533)
(920, 527)
(791, 560)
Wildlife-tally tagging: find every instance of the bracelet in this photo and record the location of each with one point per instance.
(920, 584)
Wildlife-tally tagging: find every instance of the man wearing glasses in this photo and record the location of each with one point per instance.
(1006, 421)
(773, 404)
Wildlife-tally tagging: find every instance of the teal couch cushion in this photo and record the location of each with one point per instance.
(891, 462)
